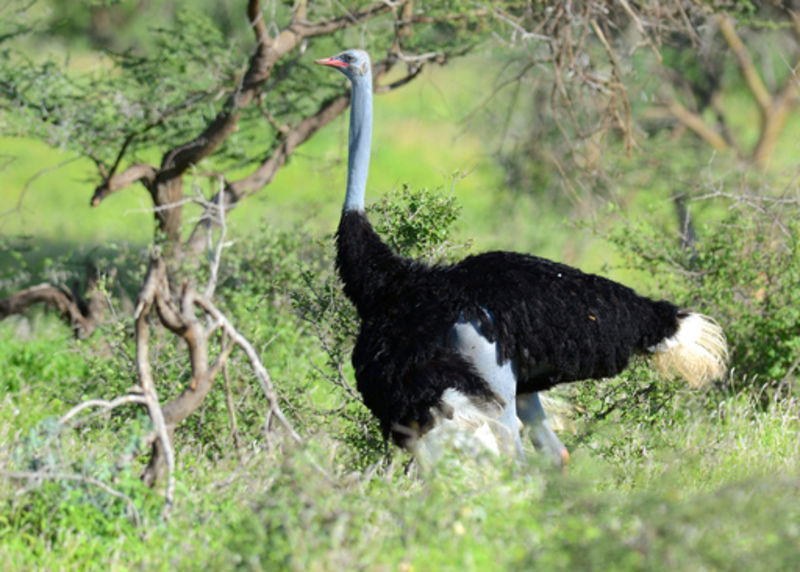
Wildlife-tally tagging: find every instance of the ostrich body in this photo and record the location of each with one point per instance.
(470, 345)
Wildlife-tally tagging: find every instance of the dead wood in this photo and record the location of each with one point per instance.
(82, 314)
(179, 317)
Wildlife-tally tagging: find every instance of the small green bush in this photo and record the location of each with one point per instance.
(744, 271)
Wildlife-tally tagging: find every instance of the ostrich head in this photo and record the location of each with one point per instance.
(355, 65)
(352, 63)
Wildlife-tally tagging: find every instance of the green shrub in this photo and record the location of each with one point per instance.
(656, 481)
(418, 223)
(744, 271)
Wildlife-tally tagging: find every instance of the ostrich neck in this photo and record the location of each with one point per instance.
(366, 265)
(360, 141)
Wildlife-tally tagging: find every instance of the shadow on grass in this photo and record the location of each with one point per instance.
(27, 261)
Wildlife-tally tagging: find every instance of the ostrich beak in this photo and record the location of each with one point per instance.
(333, 62)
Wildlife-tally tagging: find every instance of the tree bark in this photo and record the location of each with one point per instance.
(177, 314)
(83, 314)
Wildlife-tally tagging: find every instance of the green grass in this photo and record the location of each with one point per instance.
(50, 202)
(733, 506)
(709, 482)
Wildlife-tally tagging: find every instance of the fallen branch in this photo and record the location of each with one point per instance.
(176, 311)
(51, 296)
(102, 403)
(82, 314)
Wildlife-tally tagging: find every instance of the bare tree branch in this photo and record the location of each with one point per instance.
(51, 296)
(215, 255)
(163, 447)
(102, 403)
(255, 362)
(749, 72)
(133, 174)
(698, 126)
(82, 314)
(305, 29)
(774, 109)
(179, 317)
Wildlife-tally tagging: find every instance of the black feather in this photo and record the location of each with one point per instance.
(555, 323)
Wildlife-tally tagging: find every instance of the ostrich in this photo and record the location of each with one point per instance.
(464, 349)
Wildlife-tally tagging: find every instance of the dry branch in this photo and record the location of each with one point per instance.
(179, 318)
(255, 362)
(774, 108)
(103, 404)
(82, 314)
(51, 296)
(694, 122)
(176, 312)
(163, 453)
(746, 66)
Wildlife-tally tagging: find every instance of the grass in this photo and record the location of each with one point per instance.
(710, 482)
(720, 492)
(46, 196)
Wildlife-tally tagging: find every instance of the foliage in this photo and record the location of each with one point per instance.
(168, 86)
(683, 86)
(743, 271)
(418, 224)
(656, 482)
(150, 98)
(306, 509)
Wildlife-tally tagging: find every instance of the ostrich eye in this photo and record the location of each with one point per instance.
(348, 58)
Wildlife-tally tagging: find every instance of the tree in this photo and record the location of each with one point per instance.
(200, 102)
(775, 100)
(597, 84)
(204, 105)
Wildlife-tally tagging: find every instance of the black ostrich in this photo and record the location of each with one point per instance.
(464, 349)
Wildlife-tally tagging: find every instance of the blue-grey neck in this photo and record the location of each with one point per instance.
(360, 141)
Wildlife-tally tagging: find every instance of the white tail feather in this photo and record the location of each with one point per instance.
(697, 352)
